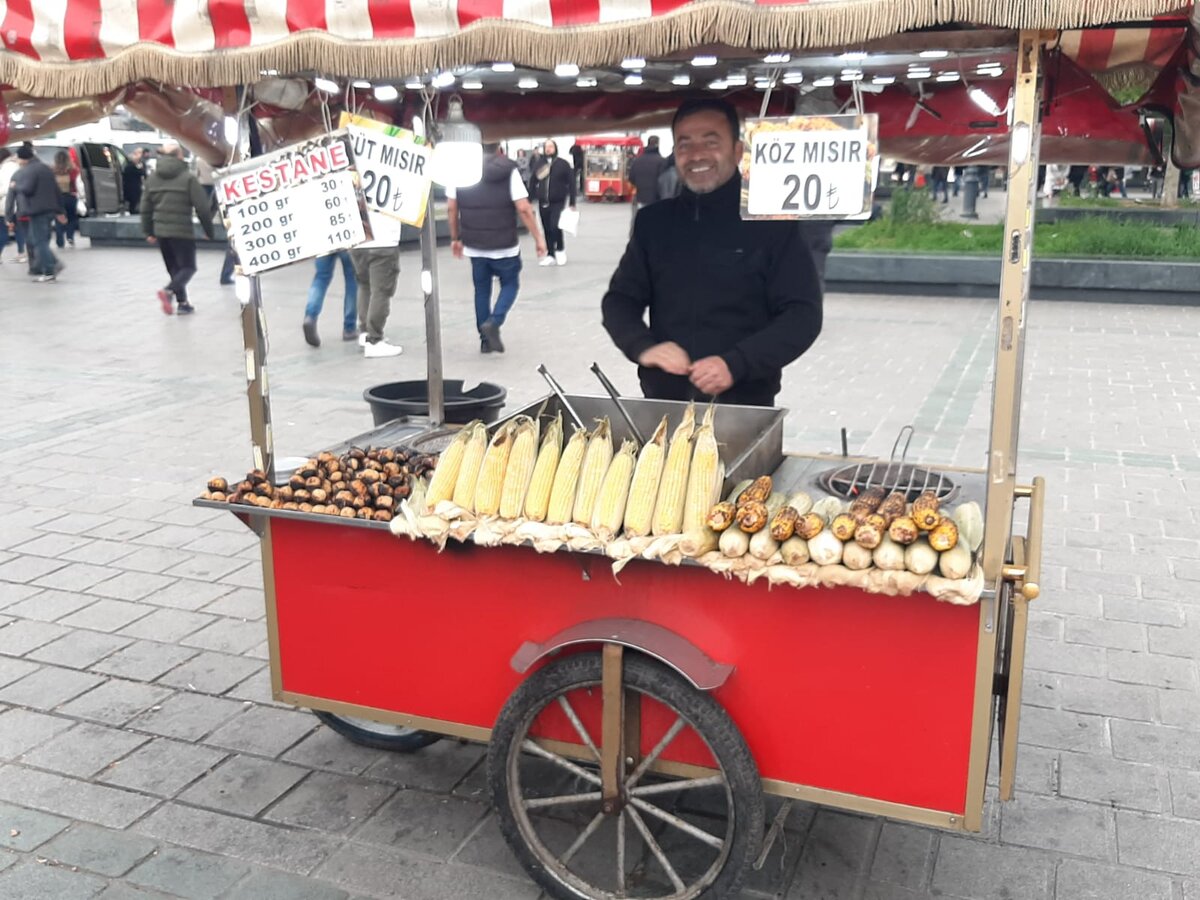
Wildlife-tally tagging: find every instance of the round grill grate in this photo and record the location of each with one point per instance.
(850, 481)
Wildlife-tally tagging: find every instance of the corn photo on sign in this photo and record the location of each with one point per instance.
(394, 165)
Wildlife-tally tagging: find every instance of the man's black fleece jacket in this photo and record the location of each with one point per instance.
(748, 292)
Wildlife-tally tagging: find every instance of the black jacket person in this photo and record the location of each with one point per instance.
(730, 302)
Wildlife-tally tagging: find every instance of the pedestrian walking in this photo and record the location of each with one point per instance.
(37, 200)
(554, 188)
(483, 229)
(8, 165)
(172, 194)
(377, 267)
(577, 157)
(669, 184)
(67, 177)
(316, 297)
(1158, 175)
(939, 177)
(644, 173)
(133, 174)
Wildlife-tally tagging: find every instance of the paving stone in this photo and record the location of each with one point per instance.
(18, 638)
(100, 850)
(54, 545)
(196, 876)
(224, 543)
(78, 650)
(131, 586)
(249, 576)
(1059, 656)
(167, 625)
(27, 829)
(29, 881)
(190, 595)
(1159, 843)
(1081, 880)
(1181, 708)
(1121, 784)
(106, 615)
(903, 856)
(1106, 698)
(1051, 823)
(257, 689)
(121, 530)
(438, 767)
(270, 845)
(1151, 669)
(983, 871)
(263, 730)
(76, 523)
(27, 569)
(427, 823)
(48, 605)
(48, 687)
(162, 767)
(144, 660)
(11, 593)
(76, 576)
(1148, 612)
(228, 636)
(1183, 642)
(243, 785)
(71, 797)
(11, 669)
(102, 553)
(1156, 744)
(153, 559)
(171, 536)
(1185, 794)
(326, 749)
(187, 716)
(487, 849)
(1106, 633)
(1062, 730)
(7, 858)
(212, 673)
(265, 884)
(83, 750)
(119, 890)
(244, 603)
(22, 729)
(330, 803)
(206, 567)
(116, 702)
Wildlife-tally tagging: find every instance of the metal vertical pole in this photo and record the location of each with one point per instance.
(433, 317)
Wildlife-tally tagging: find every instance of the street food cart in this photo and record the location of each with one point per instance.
(636, 721)
(606, 167)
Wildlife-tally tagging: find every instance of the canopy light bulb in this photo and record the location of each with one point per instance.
(853, 56)
(825, 81)
(884, 79)
(528, 84)
(386, 93)
(934, 54)
(566, 70)
(793, 77)
(443, 79)
(682, 80)
(777, 59)
(230, 127)
(633, 62)
(585, 82)
(947, 77)
(1020, 144)
(704, 62)
(633, 80)
(327, 86)
(981, 99)
(472, 85)
(414, 84)
(503, 67)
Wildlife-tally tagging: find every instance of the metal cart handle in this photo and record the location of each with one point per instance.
(1029, 575)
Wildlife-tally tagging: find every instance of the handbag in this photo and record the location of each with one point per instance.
(568, 221)
(81, 206)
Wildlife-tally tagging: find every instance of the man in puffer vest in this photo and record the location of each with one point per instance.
(483, 228)
(169, 198)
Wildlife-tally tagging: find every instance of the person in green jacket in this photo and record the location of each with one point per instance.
(170, 197)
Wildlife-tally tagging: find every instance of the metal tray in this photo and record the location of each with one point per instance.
(750, 437)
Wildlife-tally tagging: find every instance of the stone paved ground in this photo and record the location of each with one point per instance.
(140, 752)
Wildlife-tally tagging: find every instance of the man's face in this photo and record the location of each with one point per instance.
(706, 154)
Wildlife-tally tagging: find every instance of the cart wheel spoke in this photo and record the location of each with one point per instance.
(563, 800)
(654, 754)
(682, 824)
(621, 854)
(640, 825)
(582, 839)
(688, 784)
(580, 772)
(577, 724)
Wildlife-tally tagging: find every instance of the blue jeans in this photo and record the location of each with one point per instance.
(508, 270)
(320, 284)
(44, 261)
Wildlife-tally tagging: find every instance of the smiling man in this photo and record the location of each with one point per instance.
(730, 302)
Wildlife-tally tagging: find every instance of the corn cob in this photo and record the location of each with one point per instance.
(491, 473)
(537, 498)
(566, 479)
(643, 492)
(591, 475)
(609, 510)
(721, 516)
(925, 511)
(445, 474)
(468, 470)
(703, 490)
(760, 489)
(519, 472)
(668, 509)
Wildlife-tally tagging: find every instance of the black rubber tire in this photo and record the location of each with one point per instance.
(652, 679)
(407, 740)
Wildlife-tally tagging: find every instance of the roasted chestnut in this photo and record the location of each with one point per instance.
(319, 507)
(326, 457)
(319, 495)
(401, 491)
(305, 507)
(353, 464)
(218, 484)
(384, 503)
(256, 475)
(276, 503)
(219, 495)
(264, 489)
(284, 493)
(390, 469)
(348, 512)
(357, 453)
(358, 502)
(307, 471)
(301, 496)
(313, 481)
(366, 513)
(382, 515)
(370, 476)
(397, 481)
(296, 481)
(290, 504)
(343, 497)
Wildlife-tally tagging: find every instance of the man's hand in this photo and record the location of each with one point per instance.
(456, 247)
(62, 218)
(668, 356)
(151, 239)
(711, 376)
(541, 247)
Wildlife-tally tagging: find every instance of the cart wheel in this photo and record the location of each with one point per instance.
(379, 735)
(610, 196)
(661, 838)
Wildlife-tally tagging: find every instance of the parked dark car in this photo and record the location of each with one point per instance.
(100, 165)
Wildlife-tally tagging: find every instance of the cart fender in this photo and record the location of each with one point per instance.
(660, 643)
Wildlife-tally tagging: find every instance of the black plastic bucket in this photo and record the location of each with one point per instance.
(411, 398)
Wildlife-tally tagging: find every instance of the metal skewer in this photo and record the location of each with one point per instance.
(616, 398)
(558, 392)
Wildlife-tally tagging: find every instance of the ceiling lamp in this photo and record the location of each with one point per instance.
(633, 80)
(934, 54)
(503, 67)
(704, 62)
(528, 84)
(682, 80)
(777, 59)
(458, 155)
(566, 70)
(633, 62)
(325, 85)
(386, 93)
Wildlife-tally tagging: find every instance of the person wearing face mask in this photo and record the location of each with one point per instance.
(553, 184)
(730, 302)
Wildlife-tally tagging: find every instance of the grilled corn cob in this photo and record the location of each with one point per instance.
(468, 470)
(759, 489)
(609, 511)
(445, 474)
(643, 492)
(519, 471)
(843, 527)
(491, 474)
(595, 465)
(537, 498)
(721, 516)
(566, 479)
(925, 511)
(703, 488)
(668, 508)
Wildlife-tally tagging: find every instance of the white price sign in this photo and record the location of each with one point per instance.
(394, 166)
(293, 204)
(809, 167)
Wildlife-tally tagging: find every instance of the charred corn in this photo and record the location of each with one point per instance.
(519, 472)
(537, 498)
(609, 511)
(643, 491)
(668, 508)
(759, 489)
(566, 479)
(721, 516)
(468, 470)
(591, 475)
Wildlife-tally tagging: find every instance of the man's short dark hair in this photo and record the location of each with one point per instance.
(25, 151)
(652, 141)
(709, 104)
(490, 148)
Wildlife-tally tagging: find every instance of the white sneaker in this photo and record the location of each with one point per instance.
(548, 261)
(561, 257)
(381, 349)
(362, 339)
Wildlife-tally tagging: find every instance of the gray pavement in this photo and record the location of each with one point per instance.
(142, 756)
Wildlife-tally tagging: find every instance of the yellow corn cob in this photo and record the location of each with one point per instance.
(566, 479)
(445, 474)
(537, 498)
(520, 469)
(609, 510)
(701, 484)
(468, 470)
(668, 509)
(595, 466)
(491, 474)
(639, 513)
